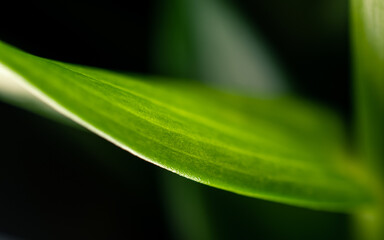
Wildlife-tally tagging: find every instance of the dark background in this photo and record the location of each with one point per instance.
(57, 182)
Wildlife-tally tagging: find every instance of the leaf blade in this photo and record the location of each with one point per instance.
(271, 149)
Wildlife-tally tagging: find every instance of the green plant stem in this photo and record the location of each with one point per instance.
(368, 50)
(368, 224)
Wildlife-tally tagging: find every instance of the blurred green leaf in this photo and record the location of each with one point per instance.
(368, 38)
(207, 40)
(281, 150)
(187, 209)
(368, 51)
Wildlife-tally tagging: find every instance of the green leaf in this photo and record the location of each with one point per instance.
(278, 149)
(207, 40)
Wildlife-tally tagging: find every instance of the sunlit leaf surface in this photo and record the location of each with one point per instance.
(282, 149)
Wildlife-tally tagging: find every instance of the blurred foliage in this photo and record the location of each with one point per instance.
(62, 194)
